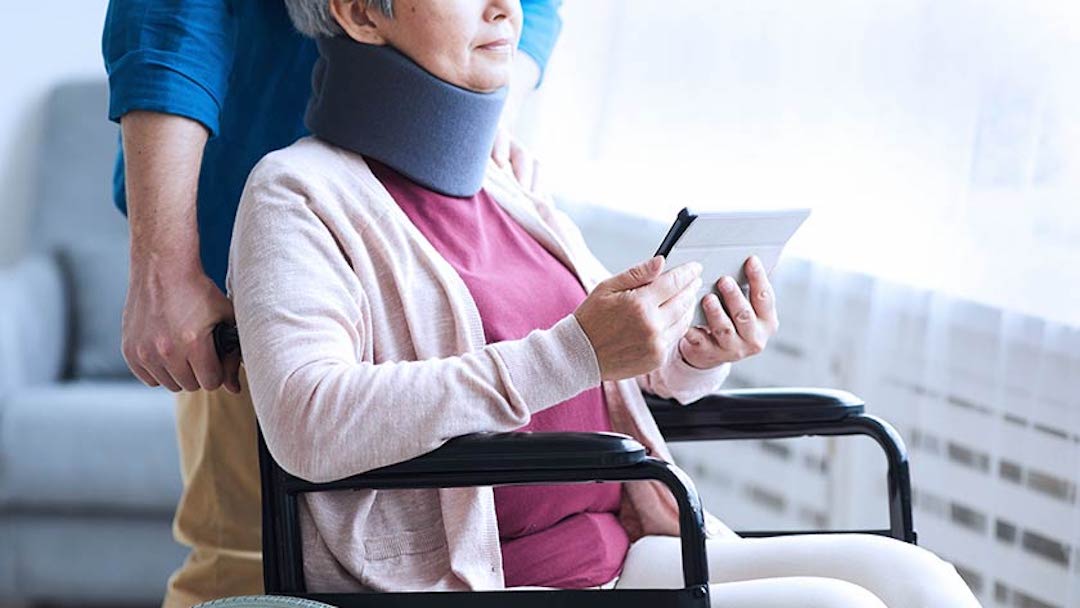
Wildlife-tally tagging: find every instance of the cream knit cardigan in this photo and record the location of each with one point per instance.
(363, 348)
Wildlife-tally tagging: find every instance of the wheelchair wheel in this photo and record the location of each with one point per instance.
(263, 601)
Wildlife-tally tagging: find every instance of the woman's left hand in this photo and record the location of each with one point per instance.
(742, 334)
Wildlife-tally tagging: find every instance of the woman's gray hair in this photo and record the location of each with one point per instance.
(312, 18)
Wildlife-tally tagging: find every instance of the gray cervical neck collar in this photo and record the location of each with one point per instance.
(379, 103)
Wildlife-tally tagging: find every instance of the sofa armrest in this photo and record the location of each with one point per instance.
(758, 406)
(34, 323)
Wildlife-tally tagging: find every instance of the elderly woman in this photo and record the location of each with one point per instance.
(394, 290)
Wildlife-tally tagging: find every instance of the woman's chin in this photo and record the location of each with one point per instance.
(489, 79)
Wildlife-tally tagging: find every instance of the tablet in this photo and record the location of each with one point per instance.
(721, 242)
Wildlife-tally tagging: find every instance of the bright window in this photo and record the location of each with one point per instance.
(938, 141)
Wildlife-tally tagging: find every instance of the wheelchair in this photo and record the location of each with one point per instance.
(493, 459)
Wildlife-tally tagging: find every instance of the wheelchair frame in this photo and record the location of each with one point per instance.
(490, 459)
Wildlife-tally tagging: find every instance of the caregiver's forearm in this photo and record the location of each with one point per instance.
(162, 157)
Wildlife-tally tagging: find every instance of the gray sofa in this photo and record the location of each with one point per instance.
(89, 473)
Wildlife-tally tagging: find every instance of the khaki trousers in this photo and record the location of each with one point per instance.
(220, 510)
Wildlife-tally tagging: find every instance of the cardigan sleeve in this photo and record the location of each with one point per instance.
(681, 381)
(302, 315)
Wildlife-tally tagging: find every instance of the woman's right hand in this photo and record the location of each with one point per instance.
(634, 318)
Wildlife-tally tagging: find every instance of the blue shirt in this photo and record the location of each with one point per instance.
(239, 68)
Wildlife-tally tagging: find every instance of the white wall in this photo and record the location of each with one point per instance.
(41, 44)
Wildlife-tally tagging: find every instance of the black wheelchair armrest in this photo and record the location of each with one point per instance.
(516, 451)
(488, 459)
(757, 406)
(780, 413)
(476, 457)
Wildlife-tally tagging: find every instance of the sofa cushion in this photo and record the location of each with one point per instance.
(33, 323)
(74, 218)
(74, 170)
(86, 560)
(97, 273)
(89, 446)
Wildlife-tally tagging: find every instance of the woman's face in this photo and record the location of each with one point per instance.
(469, 43)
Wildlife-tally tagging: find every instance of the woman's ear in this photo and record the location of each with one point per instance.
(355, 18)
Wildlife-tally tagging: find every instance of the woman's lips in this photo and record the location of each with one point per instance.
(502, 45)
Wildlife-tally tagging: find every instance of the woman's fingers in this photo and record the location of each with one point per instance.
(741, 314)
(761, 293)
(720, 326)
(677, 327)
(680, 306)
(637, 276)
(698, 337)
(671, 283)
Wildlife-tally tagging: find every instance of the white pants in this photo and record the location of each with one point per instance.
(823, 571)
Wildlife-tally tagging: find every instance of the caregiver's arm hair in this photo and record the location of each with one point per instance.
(162, 157)
(171, 303)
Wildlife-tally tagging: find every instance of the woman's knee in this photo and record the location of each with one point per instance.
(835, 593)
(904, 572)
(793, 592)
(900, 558)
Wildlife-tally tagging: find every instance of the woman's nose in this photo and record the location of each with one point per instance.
(498, 10)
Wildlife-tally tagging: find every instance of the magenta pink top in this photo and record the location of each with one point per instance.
(566, 536)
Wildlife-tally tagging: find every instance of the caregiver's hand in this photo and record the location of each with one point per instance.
(167, 323)
(739, 335)
(508, 153)
(634, 318)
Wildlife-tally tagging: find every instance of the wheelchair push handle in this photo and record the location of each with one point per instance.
(226, 339)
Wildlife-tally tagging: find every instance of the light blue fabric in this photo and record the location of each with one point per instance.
(91, 445)
(97, 276)
(71, 190)
(86, 559)
(33, 323)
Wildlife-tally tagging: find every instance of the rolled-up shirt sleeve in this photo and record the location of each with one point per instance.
(540, 30)
(170, 56)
